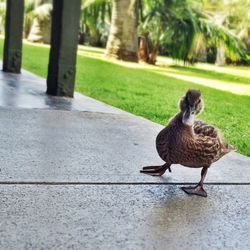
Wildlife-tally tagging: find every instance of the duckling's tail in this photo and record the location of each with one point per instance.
(231, 148)
(227, 149)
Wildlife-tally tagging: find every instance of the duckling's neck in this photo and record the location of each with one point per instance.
(180, 125)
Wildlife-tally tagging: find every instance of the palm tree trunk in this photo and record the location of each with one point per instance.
(147, 54)
(220, 56)
(153, 56)
(123, 39)
(143, 48)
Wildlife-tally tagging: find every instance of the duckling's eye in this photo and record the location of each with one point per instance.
(199, 101)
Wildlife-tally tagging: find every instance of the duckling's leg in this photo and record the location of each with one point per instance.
(156, 170)
(198, 189)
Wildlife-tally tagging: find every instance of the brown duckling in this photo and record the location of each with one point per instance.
(188, 142)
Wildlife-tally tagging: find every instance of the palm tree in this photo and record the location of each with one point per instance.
(40, 26)
(235, 16)
(95, 22)
(182, 30)
(123, 39)
(28, 16)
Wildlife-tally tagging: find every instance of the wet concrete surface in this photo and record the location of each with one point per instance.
(62, 146)
(69, 179)
(123, 217)
(27, 90)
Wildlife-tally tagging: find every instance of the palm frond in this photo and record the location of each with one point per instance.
(220, 36)
(43, 12)
(87, 3)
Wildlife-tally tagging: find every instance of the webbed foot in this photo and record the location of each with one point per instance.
(155, 170)
(196, 190)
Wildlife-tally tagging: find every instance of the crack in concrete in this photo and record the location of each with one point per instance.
(56, 183)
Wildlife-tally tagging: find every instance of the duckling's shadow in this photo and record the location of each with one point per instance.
(174, 211)
(166, 178)
(171, 180)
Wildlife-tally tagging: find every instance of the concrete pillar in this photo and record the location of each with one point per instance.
(64, 40)
(12, 57)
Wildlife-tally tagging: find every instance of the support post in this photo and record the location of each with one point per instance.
(64, 40)
(12, 56)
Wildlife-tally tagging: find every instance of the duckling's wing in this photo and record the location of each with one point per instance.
(201, 128)
(203, 151)
(209, 143)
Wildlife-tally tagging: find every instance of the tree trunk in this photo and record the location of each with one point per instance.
(147, 54)
(123, 39)
(143, 48)
(153, 56)
(220, 57)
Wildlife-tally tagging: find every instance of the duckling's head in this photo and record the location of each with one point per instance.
(191, 105)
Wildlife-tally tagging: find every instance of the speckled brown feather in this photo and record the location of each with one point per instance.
(196, 146)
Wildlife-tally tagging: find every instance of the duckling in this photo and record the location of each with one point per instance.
(188, 142)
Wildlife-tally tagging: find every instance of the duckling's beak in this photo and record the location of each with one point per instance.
(189, 116)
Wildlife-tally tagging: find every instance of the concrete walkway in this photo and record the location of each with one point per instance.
(69, 179)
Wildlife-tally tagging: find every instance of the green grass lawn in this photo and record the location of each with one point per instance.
(192, 71)
(144, 92)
